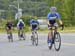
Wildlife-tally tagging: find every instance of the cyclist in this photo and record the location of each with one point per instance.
(20, 26)
(9, 26)
(34, 24)
(52, 16)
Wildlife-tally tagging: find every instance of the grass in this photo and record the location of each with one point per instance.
(66, 30)
(43, 30)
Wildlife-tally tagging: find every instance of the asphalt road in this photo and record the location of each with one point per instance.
(25, 48)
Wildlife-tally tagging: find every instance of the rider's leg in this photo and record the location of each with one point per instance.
(32, 29)
(18, 32)
(7, 32)
(8, 35)
(21, 33)
(11, 33)
(49, 36)
(32, 33)
(56, 26)
(11, 37)
(56, 29)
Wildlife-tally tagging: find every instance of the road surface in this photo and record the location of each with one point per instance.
(25, 48)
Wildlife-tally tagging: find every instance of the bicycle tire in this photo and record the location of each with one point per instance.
(24, 36)
(36, 40)
(10, 38)
(59, 38)
(32, 39)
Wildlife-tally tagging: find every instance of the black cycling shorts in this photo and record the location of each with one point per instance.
(52, 21)
(8, 27)
(34, 27)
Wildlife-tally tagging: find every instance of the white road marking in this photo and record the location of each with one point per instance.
(70, 44)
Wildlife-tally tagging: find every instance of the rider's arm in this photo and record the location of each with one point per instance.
(48, 17)
(59, 19)
(17, 25)
(48, 22)
(30, 24)
(38, 22)
(60, 22)
(23, 24)
(38, 27)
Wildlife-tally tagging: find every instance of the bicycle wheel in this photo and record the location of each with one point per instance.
(57, 41)
(10, 38)
(36, 39)
(24, 36)
(32, 39)
(19, 36)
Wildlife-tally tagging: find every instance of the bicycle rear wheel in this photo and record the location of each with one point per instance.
(32, 39)
(57, 41)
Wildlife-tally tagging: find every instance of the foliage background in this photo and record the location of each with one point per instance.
(39, 8)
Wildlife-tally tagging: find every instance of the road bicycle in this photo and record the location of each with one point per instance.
(56, 39)
(21, 35)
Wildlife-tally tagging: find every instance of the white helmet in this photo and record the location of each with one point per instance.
(20, 20)
(53, 8)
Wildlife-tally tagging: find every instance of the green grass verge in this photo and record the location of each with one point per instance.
(43, 30)
(66, 30)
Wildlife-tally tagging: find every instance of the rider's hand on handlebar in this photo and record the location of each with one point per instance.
(62, 26)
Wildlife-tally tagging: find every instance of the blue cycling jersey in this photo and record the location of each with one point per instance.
(34, 22)
(53, 15)
(21, 24)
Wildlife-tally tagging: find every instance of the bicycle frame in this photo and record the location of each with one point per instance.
(54, 34)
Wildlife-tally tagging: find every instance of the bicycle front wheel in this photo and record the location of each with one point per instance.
(57, 41)
(36, 39)
(24, 36)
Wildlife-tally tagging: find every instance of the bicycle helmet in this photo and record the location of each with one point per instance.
(53, 8)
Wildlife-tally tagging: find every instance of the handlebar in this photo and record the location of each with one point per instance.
(62, 26)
